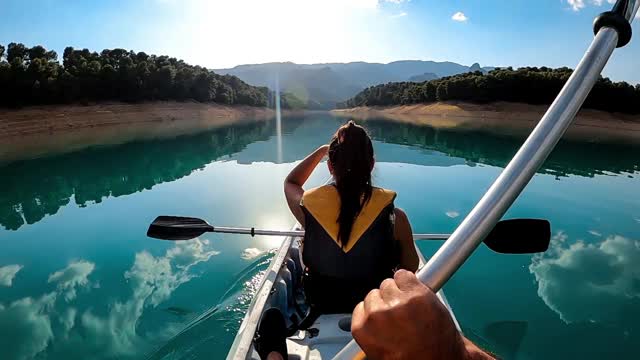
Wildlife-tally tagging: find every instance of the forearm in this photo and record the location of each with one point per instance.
(299, 175)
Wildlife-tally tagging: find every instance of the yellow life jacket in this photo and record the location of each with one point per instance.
(338, 278)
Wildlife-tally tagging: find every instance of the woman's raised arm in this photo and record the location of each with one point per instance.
(297, 177)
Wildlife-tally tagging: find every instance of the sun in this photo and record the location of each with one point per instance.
(257, 31)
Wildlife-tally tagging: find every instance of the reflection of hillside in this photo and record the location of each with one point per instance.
(302, 136)
(36, 188)
(569, 158)
(33, 189)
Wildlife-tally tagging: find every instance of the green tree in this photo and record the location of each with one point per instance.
(530, 85)
(16, 52)
(34, 76)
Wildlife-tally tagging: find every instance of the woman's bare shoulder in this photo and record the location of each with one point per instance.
(400, 214)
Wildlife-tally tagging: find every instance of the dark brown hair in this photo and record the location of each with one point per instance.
(351, 157)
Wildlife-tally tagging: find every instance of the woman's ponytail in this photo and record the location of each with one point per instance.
(351, 157)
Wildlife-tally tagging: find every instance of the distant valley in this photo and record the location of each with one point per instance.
(322, 86)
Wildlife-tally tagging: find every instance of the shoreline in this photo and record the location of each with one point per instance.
(45, 130)
(54, 129)
(501, 118)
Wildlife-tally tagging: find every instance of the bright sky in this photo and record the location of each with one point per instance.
(225, 33)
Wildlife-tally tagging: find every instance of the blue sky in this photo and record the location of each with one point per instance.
(225, 33)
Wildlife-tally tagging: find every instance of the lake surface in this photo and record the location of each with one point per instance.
(79, 279)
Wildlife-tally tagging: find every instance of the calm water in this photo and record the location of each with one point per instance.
(79, 279)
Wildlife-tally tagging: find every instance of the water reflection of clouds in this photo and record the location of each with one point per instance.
(75, 275)
(452, 214)
(30, 326)
(595, 282)
(251, 253)
(7, 273)
(35, 322)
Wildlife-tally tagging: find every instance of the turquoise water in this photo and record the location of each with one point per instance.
(79, 279)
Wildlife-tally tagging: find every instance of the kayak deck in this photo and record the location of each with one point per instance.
(281, 289)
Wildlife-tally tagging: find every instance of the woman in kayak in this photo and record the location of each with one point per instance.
(354, 236)
(354, 239)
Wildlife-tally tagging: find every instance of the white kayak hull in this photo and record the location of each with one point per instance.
(323, 339)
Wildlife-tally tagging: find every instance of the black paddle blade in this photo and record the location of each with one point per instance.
(520, 236)
(177, 228)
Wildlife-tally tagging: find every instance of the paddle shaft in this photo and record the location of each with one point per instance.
(300, 233)
(513, 179)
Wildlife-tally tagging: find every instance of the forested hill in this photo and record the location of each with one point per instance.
(33, 76)
(529, 85)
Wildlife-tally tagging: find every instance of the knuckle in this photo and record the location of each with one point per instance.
(420, 299)
(400, 273)
(386, 283)
(372, 295)
(405, 276)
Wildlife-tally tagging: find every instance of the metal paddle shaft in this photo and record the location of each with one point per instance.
(610, 27)
(514, 236)
(177, 228)
(523, 166)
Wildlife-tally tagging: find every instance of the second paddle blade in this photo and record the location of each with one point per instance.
(177, 228)
(520, 236)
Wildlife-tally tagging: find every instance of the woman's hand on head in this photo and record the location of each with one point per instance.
(324, 149)
(293, 190)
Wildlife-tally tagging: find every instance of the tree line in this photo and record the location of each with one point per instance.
(34, 76)
(529, 85)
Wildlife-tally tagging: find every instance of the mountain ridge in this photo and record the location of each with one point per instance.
(323, 85)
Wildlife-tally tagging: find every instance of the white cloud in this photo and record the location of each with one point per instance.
(189, 253)
(459, 16)
(7, 273)
(452, 214)
(595, 233)
(153, 280)
(590, 282)
(251, 253)
(75, 275)
(68, 319)
(113, 334)
(600, 2)
(27, 327)
(577, 5)
(398, 15)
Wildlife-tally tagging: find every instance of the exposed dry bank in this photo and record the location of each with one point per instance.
(35, 131)
(505, 118)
